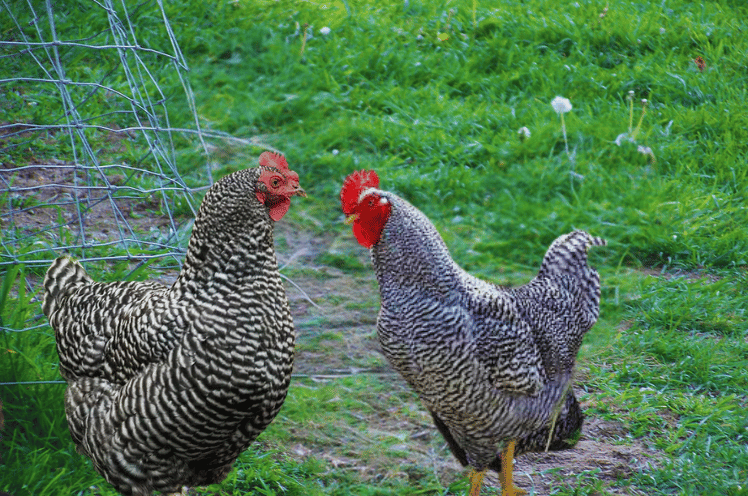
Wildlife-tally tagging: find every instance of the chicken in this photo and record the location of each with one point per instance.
(492, 365)
(167, 386)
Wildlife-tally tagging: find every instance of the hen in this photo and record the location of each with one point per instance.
(167, 386)
(492, 365)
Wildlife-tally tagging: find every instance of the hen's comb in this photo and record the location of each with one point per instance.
(272, 159)
(353, 185)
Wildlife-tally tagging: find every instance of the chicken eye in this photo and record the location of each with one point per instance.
(275, 182)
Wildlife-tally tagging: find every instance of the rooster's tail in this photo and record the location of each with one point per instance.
(566, 259)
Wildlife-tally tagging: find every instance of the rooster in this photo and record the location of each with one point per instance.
(167, 386)
(492, 365)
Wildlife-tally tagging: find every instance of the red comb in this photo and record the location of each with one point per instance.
(353, 185)
(272, 159)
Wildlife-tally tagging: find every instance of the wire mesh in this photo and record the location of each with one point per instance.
(88, 161)
(88, 155)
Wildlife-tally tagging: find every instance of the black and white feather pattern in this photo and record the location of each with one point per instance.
(167, 386)
(491, 364)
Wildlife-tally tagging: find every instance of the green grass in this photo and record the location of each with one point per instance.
(438, 120)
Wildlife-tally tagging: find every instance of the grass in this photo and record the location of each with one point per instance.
(432, 95)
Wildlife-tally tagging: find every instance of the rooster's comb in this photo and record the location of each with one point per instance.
(353, 185)
(276, 160)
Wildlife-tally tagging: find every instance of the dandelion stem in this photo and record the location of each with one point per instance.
(475, 7)
(303, 39)
(641, 118)
(630, 98)
(631, 114)
(563, 129)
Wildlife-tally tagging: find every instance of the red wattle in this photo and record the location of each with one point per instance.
(278, 210)
(363, 236)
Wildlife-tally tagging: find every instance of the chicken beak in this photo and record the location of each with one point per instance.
(299, 191)
(351, 219)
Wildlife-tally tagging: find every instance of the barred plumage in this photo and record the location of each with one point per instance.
(167, 386)
(492, 365)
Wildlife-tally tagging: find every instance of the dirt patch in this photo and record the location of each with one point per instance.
(600, 451)
(336, 328)
(676, 273)
(69, 205)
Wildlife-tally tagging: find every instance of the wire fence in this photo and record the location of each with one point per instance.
(88, 155)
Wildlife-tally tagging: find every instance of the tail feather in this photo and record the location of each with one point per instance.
(566, 259)
(568, 253)
(62, 276)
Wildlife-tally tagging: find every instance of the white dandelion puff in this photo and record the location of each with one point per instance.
(561, 105)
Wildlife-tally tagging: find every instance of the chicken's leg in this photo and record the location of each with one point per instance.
(476, 481)
(506, 477)
(507, 472)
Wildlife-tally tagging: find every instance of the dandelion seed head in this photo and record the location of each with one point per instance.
(561, 105)
(523, 133)
(324, 31)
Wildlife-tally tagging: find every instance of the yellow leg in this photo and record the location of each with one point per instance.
(507, 472)
(476, 481)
